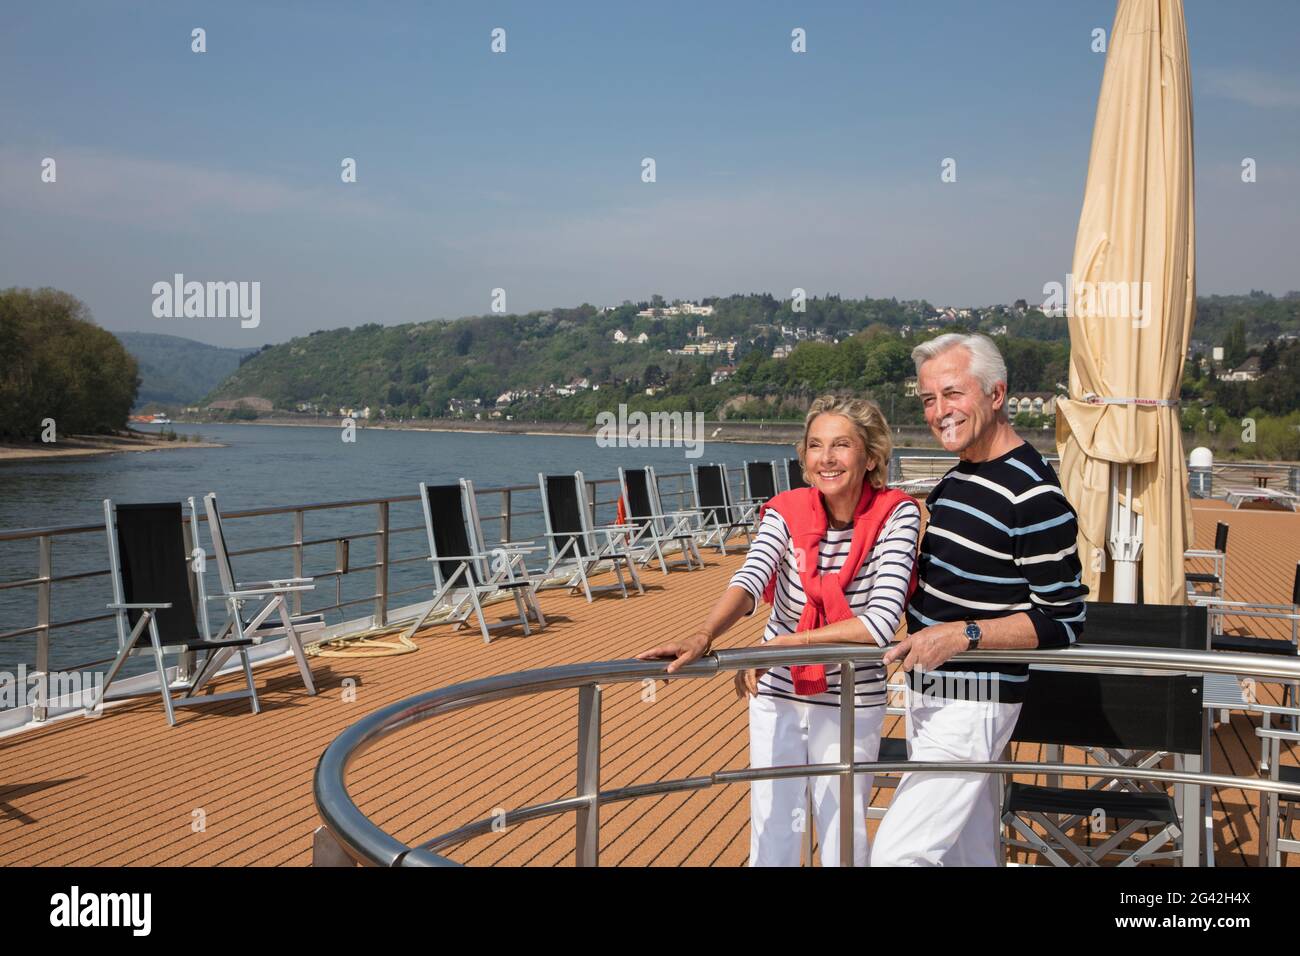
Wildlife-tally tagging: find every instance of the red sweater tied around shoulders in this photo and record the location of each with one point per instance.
(804, 512)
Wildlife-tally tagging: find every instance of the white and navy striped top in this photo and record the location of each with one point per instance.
(877, 595)
(1001, 539)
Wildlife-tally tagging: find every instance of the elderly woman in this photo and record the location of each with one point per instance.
(835, 561)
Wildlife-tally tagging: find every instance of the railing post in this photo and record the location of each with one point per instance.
(297, 558)
(848, 713)
(505, 515)
(588, 818)
(46, 545)
(381, 572)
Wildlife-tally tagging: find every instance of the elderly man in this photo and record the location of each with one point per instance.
(999, 569)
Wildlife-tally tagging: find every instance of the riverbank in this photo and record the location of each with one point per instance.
(84, 446)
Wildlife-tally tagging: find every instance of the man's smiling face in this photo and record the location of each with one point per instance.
(957, 410)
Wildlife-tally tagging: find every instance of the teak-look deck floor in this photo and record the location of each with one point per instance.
(226, 787)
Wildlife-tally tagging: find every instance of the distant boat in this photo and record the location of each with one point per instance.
(160, 420)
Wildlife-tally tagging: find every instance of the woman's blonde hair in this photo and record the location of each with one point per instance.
(868, 421)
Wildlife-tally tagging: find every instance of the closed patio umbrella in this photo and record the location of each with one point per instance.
(1131, 308)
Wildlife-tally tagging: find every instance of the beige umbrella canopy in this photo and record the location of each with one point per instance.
(1131, 309)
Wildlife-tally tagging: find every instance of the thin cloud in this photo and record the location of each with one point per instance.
(136, 191)
(1255, 88)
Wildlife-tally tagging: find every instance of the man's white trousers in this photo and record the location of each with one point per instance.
(947, 819)
(787, 732)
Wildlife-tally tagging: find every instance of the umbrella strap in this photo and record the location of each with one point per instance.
(1092, 398)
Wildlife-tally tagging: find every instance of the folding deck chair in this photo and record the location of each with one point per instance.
(760, 482)
(157, 589)
(1217, 579)
(720, 518)
(1279, 812)
(1123, 721)
(1219, 608)
(460, 559)
(572, 539)
(653, 529)
(794, 474)
(266, 598)
(1118, 712)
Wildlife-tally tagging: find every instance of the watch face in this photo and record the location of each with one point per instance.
(972, 631)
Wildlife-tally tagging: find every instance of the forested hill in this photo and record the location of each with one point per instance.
(175, 370)
(438, 368)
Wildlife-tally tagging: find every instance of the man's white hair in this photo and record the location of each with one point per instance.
(986, 362)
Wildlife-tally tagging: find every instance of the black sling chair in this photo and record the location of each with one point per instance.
(720, 518)
(760, 481)
(461, 561)
(572, 539)
(1123, 721)
(794, 474)
(653, 530)
(150, 564)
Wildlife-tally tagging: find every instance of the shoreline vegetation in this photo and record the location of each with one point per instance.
(85, 446)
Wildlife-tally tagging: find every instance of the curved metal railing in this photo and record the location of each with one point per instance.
(368, 844)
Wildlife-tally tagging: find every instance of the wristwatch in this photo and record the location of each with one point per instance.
(973, 634)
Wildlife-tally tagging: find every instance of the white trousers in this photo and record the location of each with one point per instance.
(947, 819)
(787, 732)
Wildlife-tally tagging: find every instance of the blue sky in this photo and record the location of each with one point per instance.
(522, 170)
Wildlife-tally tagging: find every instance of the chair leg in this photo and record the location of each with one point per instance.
(636, 578)
(478, 613)
(536, 605)
(295, 644)
(162, 672)
(209, 670)
(122, 655)
(617, 567)
(248, 674)
(523, 612)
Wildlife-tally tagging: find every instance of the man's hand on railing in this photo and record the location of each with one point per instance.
(682, 652)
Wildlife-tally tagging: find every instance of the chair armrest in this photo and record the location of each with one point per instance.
(138, 607)
(272, 582)
(1278, 734)
(258, 592)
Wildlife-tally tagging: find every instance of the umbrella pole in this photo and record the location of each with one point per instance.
(1125, 537)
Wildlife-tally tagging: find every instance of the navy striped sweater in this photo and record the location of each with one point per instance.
(1001, 539)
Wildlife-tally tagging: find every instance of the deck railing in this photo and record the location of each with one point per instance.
(349, 835)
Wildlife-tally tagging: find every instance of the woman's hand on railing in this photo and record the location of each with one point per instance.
(747, 682)
(682, 652)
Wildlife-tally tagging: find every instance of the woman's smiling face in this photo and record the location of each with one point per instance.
(835, 460)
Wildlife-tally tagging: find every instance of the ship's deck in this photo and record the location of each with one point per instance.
(225, 787)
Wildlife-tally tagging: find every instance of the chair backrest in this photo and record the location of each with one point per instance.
(150, 563)
(1221, 537)
(711, 494)
(220, 549)
(636, 494)
(1132, 711)
(760, 479)
(794, 474)
(444, 523)
(1182, 626)
(564, 503)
